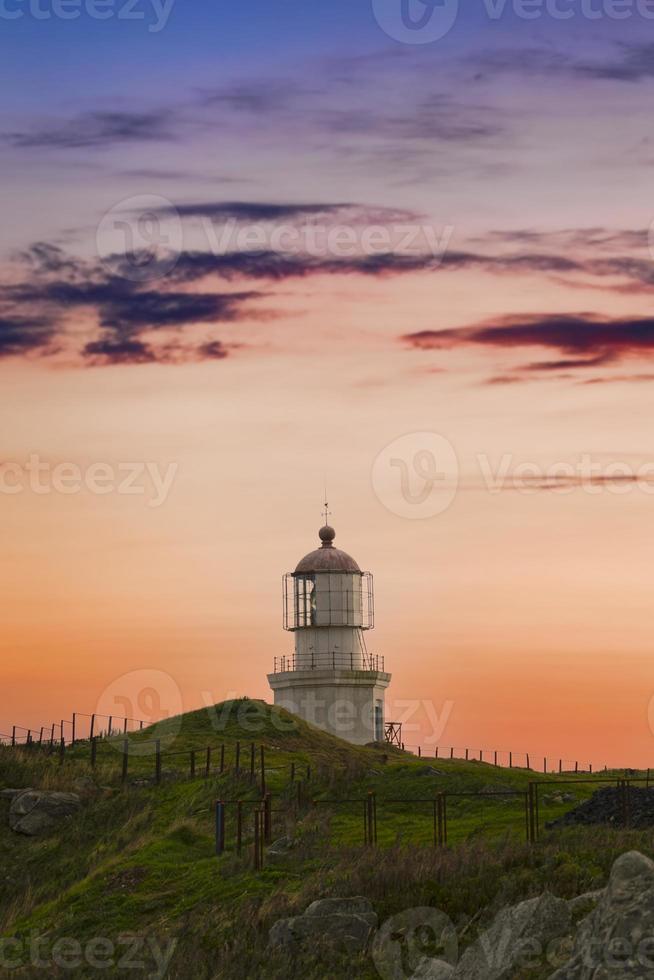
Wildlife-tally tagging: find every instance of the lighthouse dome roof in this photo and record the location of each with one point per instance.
(327, 558)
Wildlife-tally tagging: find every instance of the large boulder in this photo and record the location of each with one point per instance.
(518, 936)
(8, 794)
(36, 812)
(617, 939)
(344, 922)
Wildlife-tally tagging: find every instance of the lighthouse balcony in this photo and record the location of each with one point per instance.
(329, 661)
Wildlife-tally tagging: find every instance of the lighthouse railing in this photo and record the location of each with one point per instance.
(368, 662)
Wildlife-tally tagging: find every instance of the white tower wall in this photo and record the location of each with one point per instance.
(331, 681)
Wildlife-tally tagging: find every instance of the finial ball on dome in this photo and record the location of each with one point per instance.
(326, 535)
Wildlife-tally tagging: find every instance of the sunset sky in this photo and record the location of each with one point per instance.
(358, 242)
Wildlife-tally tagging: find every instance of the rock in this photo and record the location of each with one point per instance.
(280, 847)
(85, 786)
(35, 812)
(341, 906)
(586, 902)
(430, 771)
(430, 969)
(8, 794)
(607, 806)
(516, 937)
(616, 939)
(348, 923)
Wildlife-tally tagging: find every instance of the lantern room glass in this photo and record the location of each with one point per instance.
(315, 599)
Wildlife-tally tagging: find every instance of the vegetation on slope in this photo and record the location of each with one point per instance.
(140, 860)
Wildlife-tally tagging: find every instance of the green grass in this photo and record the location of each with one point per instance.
(141, 859)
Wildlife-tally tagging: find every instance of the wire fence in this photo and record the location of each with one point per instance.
(375, 810)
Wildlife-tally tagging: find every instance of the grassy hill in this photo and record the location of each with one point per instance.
(139, 859)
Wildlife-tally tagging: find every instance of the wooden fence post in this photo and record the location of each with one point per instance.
(252, 760)
(220, 827)
(267, 818)
(72, 740)
(207, 767)
(258, 840)
(62, 750)
(263, 770)
(92, 731)
(222, 758)
(94, 751)
(238, 758)
(125, 759)
(192, 760)
(239, 827)
(442, 819)
(531, 814)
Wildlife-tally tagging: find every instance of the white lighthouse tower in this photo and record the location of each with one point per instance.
(331, 680)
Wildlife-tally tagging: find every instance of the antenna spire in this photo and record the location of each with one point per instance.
(327, 512)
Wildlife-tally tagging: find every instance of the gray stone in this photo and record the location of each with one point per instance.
(280, 847)
(585, 902)
(348, 923)
(35, 812)
(8, 794)
(617, 939)
(519, 934)
(342, 906)
(430, 969)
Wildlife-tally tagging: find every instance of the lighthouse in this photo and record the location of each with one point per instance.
(330, 679)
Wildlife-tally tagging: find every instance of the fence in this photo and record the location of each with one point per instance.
(73, 730)
(371, 806)
(505, 759)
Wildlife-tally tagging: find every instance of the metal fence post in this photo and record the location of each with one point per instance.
(267, 823)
